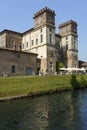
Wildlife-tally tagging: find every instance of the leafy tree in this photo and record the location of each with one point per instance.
(59, 65)
(74, 83)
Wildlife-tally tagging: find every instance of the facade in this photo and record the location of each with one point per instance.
(42, 40)
(13, 62)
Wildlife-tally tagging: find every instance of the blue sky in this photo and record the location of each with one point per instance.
(18, 15)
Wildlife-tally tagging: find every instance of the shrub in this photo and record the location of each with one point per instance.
(59, 65)
(83, 82)
(74, 83)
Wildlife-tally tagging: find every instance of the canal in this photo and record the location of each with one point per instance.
(59, 111)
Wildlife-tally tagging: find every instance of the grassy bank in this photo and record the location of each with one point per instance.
(13, 86)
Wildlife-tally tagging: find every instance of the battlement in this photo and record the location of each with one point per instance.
(67, 23)
(45, 9)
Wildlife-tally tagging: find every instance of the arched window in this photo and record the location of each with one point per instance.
(28, 70)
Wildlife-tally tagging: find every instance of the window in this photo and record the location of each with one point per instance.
(32, 42)
(51, 67)
(50, 38)
(28, 70)
(50, 29)
(41, 30)
(74, 28)
(67, 46)
(26, 44)
(13, 68)
(41, 38)
(36, 41)
(66, 38)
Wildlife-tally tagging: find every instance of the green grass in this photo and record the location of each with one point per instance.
(13, 86)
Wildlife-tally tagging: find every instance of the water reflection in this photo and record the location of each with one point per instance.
(61, 111)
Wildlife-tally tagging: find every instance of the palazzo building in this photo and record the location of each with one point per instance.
(42, 40)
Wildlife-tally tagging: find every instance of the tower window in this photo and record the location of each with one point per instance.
(66, 38)
(50, 38)
(41, 30)
(74, 38)
(67, 46)
(41, 38)
(50, 29)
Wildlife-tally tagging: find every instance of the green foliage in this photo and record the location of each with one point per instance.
(59, 65)
(74, 83)
(83, 82)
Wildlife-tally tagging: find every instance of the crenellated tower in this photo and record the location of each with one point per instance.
(69, 43)
(44, 21)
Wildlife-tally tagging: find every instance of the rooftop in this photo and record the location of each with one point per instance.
(10, 31)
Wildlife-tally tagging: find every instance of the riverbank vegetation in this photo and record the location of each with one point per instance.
(14, 86)
(75, 84)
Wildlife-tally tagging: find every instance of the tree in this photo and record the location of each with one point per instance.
(74, 83)
(59, 65)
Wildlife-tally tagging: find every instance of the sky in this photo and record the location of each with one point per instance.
(17, 15)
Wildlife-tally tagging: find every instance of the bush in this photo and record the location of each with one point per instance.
(59, 65)
(74, 83)
(83, 82)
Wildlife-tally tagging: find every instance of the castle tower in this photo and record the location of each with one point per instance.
(44, 22)
(69, 43)
(44, 17)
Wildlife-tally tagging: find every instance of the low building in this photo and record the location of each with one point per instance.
(13, 62)
(83, 64)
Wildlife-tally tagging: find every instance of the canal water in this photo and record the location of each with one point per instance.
(59, 111)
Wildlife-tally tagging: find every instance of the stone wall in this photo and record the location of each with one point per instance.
(17, 62)
(11, 39)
